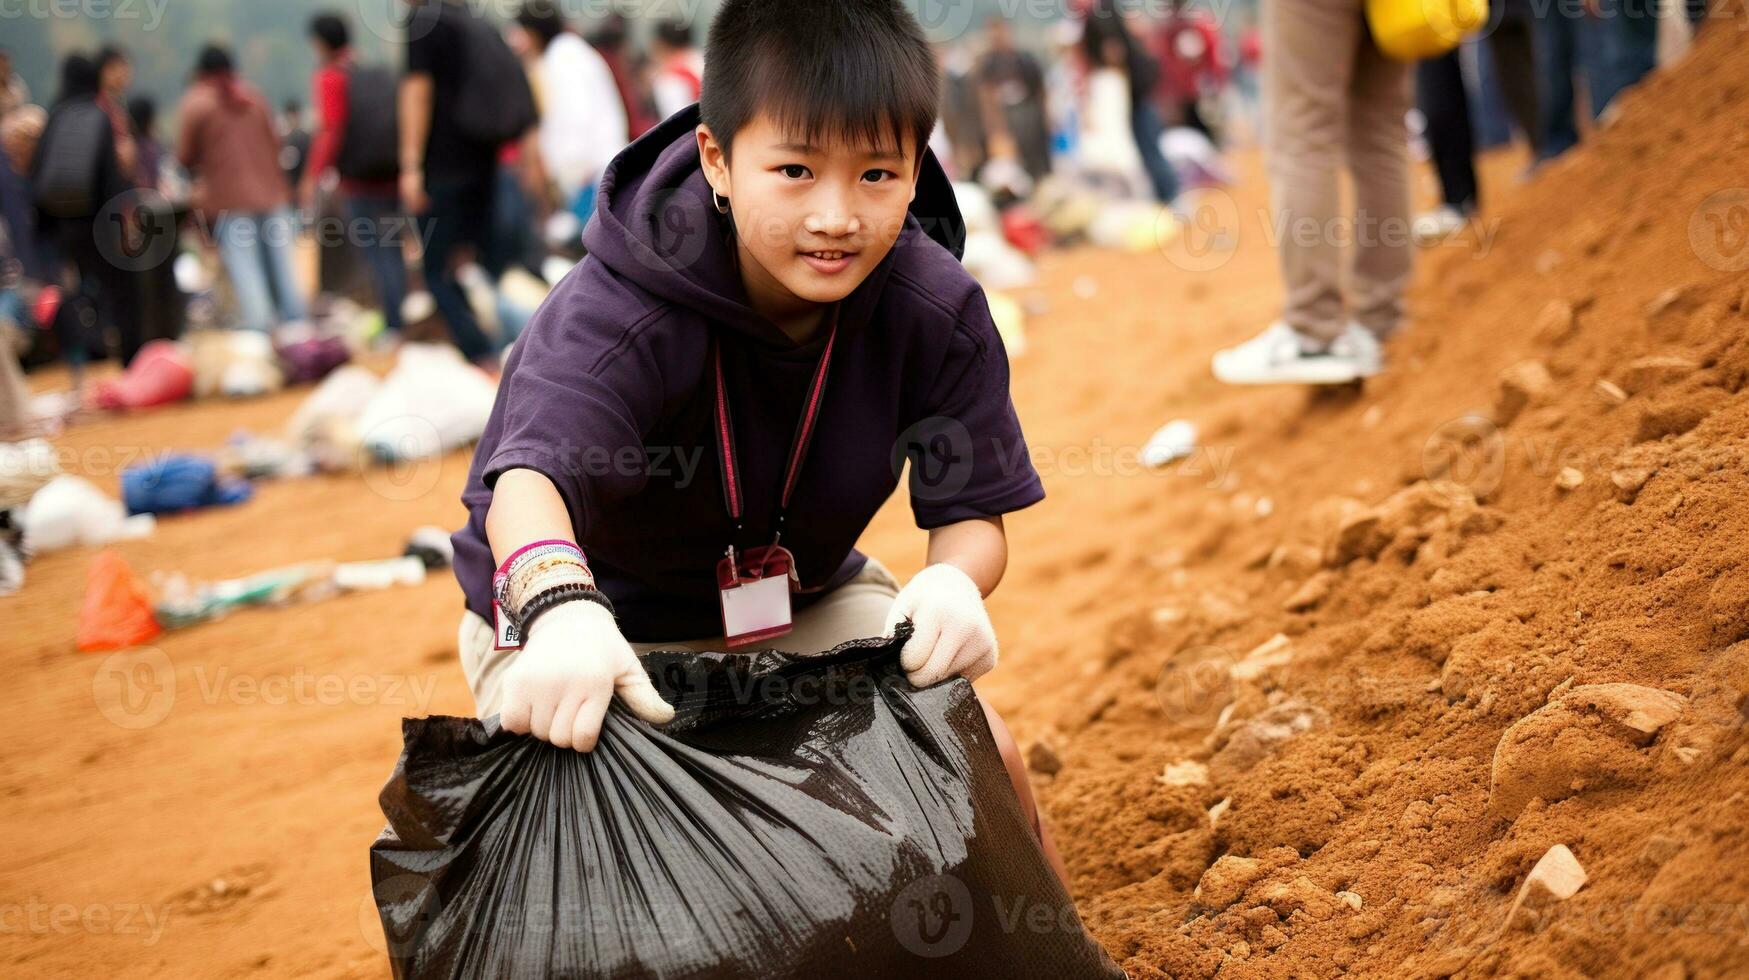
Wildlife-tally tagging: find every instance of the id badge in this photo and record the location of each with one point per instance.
(756, 596)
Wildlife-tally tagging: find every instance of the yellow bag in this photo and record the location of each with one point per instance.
(1410, 30)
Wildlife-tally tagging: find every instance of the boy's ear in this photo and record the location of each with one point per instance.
(714, 159)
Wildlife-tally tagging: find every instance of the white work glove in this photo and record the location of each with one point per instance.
(951, 632)
(572, 663)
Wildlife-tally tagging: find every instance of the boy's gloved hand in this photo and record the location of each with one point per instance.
(951, 631)
(572, 663)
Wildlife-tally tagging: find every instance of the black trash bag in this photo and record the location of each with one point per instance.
(800, 817)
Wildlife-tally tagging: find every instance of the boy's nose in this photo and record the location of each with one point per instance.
(832, 223)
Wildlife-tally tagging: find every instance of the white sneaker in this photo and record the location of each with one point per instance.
(1282, 355)
(1434, 227)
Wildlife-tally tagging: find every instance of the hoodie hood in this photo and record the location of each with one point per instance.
(657, 226)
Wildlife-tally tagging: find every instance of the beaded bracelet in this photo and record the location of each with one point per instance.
(555, 597)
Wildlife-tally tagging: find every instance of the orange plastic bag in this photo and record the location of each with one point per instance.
(118, 611)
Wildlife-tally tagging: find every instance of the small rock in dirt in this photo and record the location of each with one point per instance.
(1660, 849)
(1651, 372)
(1556, 877)
(1189, 772)
(1226, 880)
(1043, 760)
(1589, 736)
(1522, 384)
(1295, 559)
(1260, 737)
(1555, 321)
(1300, 895)
(1688, 754)
(1673, 417)
(1611, 391)
(1217, 811)
(1352, 900)
(1315, 590)
(1629, 481)
(1570, 478)
(1277, 651)
(1665, 301)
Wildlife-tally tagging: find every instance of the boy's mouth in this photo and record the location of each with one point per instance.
(830, 261)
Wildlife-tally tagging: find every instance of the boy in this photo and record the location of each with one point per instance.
(712, 401)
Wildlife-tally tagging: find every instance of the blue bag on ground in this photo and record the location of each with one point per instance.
(800, 818)
(173, 484)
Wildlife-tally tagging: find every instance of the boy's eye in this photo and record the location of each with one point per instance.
(793, 171)
(877, 176)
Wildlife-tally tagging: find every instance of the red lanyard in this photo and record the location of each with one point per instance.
(730, 462)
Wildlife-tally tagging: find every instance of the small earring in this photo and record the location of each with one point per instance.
(720, 201)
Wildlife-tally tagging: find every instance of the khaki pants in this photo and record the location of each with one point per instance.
(1332, 98)
(853, 611)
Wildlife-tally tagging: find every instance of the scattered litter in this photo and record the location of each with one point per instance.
(234, 364)
(311, 359)
(375, 576)
(117, 612)
(431, 545)
(25, 468)
(183, 603)
(1187, 772)
(433, 402)
(162, 372)
(177, 483)
(1171, 442)
(69, 511)
(1570, 478)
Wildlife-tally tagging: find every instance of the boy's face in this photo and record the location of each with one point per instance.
(812, 221)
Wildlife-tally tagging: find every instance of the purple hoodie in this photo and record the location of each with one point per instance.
(607, 394)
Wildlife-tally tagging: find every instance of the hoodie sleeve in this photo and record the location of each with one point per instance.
(968, 456)
(575, 403)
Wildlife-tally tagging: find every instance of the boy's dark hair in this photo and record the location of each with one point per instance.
(330, 28)
(858, 70)
(674, 33)
(542, 19)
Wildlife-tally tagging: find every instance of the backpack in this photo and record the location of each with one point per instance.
(496, 104)
(69, 161)
(368, 149)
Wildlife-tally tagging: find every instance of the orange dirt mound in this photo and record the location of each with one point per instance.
(1553, 495)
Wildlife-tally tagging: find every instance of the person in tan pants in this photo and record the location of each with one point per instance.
(1332, 98)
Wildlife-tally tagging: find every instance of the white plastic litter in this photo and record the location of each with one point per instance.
(976, 208)
(340, 398)
(1173, 441)
(432, 402)
(375, 575)
(25, 468)
(70, 511)
(997, 264)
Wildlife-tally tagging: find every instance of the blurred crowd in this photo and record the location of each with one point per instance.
(460, 175)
